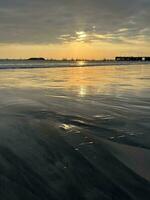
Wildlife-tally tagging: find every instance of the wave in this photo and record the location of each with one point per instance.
(24, 64)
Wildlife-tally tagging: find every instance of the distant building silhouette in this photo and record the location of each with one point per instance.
(36, 59)
(147, 58)
(137, 59)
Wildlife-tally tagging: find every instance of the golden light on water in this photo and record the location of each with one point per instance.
(81, 63)
(82, 91)
(80, 81)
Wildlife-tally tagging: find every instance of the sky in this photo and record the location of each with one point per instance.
(85, 29)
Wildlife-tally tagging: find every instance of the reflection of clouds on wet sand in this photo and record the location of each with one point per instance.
(82, 80)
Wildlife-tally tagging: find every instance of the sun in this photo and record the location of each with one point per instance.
(81, 35)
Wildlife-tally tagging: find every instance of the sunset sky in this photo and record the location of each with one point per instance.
(74, 28)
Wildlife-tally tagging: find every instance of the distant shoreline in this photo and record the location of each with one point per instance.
(117, 59)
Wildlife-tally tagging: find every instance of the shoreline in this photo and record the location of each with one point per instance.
(20, 64)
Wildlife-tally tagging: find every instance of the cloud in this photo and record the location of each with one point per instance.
(59, 21)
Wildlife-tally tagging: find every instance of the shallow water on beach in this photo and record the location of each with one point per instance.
(75, 133)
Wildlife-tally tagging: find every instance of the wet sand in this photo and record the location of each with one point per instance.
(75, 133)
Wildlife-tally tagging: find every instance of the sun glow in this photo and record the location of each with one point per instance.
(81, 36)
(77, 46)
(81, 63)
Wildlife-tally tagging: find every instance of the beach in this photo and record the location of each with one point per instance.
(72, 133)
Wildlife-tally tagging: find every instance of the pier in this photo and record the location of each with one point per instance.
(133, 59)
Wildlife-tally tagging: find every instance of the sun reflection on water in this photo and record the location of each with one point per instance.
(82, 91)
(81, 63)
(80, 81)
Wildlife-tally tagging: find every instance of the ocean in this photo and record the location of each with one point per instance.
(74, 132)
